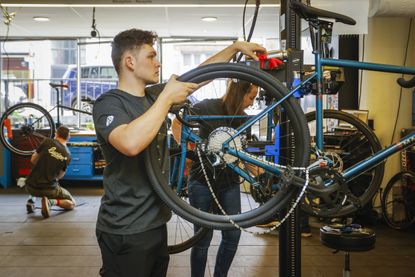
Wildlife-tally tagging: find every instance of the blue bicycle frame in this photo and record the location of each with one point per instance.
(350, 172)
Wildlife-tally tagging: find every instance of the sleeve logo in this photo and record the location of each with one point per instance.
(110, 119)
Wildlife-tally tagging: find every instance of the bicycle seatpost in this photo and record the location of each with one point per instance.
(56, 87)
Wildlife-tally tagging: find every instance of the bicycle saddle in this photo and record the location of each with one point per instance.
(310, 13)
(58, 85)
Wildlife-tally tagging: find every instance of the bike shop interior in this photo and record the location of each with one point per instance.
(45, 44)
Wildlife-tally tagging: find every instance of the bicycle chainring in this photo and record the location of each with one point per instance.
(330, 199)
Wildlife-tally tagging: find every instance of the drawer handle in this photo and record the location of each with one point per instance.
(76, 159)
(75, 169)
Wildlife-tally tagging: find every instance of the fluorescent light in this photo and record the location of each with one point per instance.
(25, 5)
(209, 18)
(41, 18)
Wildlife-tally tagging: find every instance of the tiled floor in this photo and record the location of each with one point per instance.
(65, 245)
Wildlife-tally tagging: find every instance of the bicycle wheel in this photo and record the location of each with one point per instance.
(293, 150)
(24, 126)
(345, 146)
(181, 235)
(398, 201)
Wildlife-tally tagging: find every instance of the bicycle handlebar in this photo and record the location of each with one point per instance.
(406, 83)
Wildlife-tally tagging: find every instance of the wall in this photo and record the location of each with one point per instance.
(386, 43)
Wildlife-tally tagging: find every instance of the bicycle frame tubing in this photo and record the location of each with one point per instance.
(351, 172)
(188, 136)
(378, 157)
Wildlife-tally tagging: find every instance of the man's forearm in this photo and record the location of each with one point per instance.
(222, 56)
(247, 48)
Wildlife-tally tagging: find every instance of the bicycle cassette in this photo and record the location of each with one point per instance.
(216, 140)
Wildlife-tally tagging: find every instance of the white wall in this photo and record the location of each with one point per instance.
(386, 43)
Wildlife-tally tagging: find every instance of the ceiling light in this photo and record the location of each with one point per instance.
(90, 5)
(41, 18)
(209, 18)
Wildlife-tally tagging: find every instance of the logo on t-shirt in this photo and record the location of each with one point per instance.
(110, 119)
(52, 151)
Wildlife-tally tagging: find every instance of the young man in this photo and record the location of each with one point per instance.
(49, 165)
(131, 226)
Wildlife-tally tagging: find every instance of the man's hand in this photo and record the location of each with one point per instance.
(250, 49)
(176, 92)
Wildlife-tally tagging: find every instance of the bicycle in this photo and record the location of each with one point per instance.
(283, 149)
(398, 197)
(25, 125)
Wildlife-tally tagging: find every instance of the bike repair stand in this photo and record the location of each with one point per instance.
(289, 233)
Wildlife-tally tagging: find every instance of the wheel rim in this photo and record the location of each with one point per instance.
(398, 201)
(245, 219)
(24, 126)
(346, 148)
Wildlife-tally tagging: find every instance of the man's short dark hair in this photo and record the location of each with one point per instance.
(63, 132)
(129, 40)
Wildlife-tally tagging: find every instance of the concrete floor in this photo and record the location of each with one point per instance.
(65, 245)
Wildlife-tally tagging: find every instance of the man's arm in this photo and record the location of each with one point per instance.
(34, 158)
(131, 139)
(60, 175)
(248, 48)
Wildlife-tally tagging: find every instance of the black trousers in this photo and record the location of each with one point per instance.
(144, 254)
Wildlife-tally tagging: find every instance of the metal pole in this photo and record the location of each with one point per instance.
(289, 234)
(78, 82)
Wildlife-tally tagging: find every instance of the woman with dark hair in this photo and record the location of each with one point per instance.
(225, 182)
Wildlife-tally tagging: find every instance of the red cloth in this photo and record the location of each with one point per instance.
(272, 62)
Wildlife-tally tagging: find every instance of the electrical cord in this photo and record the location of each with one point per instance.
(7, 19)
(401, 89)
(243, 19)
(254, 19)
(361, 71)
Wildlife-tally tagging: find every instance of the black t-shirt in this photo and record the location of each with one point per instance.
(53, 158)
(221, 177)
(129, 204)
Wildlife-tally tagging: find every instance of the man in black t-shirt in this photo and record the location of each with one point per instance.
(131, 226)
(50, 161)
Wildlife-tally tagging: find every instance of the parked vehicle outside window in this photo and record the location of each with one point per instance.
(95, 80)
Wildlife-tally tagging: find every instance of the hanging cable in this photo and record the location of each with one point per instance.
(243, 20)
(401, 89)
(361, 72)
(7, 20)
(94, 31)
(254, 19)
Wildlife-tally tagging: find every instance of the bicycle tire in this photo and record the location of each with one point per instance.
(399, 213)
(24, 126)
(353, 148)
(265, 211)
(181, 236)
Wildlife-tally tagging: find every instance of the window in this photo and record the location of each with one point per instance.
(187, 59)
(85, 72)
(108, 72)
(94, 72)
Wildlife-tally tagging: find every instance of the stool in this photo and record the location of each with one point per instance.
(347, 238)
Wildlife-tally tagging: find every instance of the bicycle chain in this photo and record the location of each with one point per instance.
(404, 160)
(290, 211)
